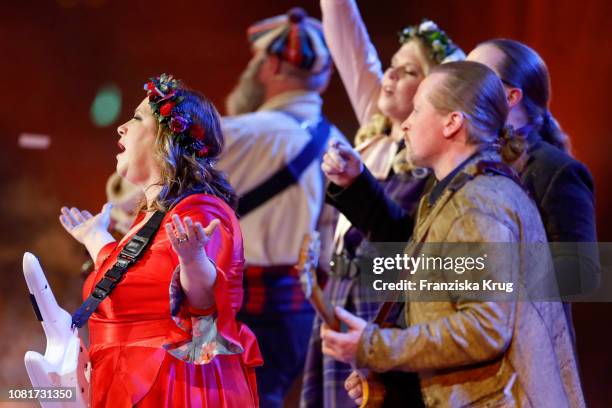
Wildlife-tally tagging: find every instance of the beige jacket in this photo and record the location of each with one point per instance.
(477, 353)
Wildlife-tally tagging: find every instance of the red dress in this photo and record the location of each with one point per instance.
(149, 348)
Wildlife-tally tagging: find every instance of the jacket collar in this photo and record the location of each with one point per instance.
(426, 214)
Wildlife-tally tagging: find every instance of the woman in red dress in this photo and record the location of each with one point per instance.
(167, 334)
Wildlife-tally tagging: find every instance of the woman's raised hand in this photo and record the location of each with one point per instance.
(188, 238)
(198, 273)
(82, 225)
(89, 230)
(341, 164)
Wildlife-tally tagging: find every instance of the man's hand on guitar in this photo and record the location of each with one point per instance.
(353, 385)
(343, 346)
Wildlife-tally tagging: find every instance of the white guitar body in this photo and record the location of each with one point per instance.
(66, 361)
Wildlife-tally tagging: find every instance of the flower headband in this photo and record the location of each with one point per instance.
(165, 103)
(442, 49)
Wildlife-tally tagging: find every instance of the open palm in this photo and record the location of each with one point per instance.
(82, 224)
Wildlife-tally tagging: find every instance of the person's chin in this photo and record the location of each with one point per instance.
(385, 105)
(388, 106)
(121, 169)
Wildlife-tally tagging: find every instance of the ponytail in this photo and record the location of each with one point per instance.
(551, 132)
(523, 68)
(512, 145)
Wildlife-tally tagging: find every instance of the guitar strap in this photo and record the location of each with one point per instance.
(129, 255)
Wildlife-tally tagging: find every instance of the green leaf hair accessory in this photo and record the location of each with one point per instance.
(441, 47)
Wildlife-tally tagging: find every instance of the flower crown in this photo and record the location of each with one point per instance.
(165, 103)
(441, 48)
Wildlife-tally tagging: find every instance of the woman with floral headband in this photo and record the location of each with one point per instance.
(167, 334)
(381, 102)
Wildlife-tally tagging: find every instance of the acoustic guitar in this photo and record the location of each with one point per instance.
(373, 391)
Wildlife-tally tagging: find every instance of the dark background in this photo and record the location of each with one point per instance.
(55, 56)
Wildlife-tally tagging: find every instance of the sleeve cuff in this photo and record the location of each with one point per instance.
(364, 348)
(199, 312)
(205, 340)
(362, 184)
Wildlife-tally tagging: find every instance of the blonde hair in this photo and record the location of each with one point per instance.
(378, 124)
(427, 62)
(476, 91)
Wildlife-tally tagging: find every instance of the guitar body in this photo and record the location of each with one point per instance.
(395, 389)
(66, 361)
(392, 388)
(373, 392)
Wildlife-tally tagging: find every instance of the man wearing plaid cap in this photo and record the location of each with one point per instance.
(276, 124)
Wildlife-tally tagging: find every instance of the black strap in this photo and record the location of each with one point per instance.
(289, 174)
(130, 254)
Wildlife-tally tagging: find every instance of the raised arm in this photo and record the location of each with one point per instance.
(210, 258)
(355, 192)
(365, 204)
(354, 55)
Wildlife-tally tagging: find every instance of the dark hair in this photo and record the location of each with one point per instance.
(184, 173)
(476, 91)
(523, 68)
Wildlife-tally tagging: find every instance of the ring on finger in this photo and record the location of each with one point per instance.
(182, 239)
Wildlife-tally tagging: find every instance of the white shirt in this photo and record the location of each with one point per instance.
(256, 146)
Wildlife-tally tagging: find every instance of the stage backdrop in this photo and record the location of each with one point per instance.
(58, 55)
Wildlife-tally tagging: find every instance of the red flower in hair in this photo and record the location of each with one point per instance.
(203, 151)
(166, 108)
(178, 124)
(151, 89)
(197, 132)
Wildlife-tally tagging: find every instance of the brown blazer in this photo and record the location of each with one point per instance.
(482, 353)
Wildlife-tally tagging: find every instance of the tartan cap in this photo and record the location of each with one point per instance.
(294, 38)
